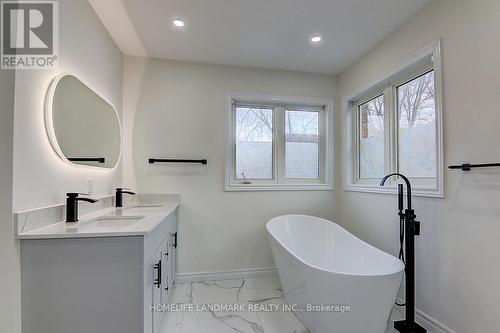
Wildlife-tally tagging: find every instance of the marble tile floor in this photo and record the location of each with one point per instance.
(238, 291)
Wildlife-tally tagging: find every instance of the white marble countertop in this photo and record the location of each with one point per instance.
(109, 222)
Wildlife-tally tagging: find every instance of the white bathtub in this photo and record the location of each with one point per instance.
(319, 262)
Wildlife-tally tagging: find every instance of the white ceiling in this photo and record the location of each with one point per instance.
(255, 33)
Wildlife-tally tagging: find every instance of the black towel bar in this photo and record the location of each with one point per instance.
(87, 159)
(468, 166)
(175, 160)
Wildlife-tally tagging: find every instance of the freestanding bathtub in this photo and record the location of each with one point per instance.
(320, 263)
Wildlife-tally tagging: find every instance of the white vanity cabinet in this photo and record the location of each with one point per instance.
(164, 269)
(98, 284)
(169, 262)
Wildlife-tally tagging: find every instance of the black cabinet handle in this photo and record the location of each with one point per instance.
(175, 240)
(157, 281)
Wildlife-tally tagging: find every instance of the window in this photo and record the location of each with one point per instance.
(254, 142)
(278, 143)
(416, 108)
(371, 138)
(396, 127)
(302, 144)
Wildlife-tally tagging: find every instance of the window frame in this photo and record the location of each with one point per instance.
(322, 166)
(429, 59)
(280, 104)
(367, 98)
(258, 181)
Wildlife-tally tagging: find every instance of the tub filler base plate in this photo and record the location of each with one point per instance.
(403, 327)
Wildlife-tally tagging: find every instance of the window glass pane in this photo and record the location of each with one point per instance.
(302, 144)
(371, 138)
(254, 143)
(417, 127)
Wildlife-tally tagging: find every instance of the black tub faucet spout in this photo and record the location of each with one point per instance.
(408, 187)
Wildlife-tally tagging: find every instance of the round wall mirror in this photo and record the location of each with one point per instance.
(83, 127)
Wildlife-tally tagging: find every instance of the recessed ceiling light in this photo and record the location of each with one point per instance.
(316, 39)
(178, 23)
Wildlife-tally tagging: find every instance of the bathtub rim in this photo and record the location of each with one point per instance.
(286, 248)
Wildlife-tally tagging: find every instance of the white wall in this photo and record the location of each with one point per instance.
(179, 111)
(457, 255)
(10, 302)
(40, 177)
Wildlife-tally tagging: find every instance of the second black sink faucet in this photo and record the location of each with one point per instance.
(119, 195)
(72, 205)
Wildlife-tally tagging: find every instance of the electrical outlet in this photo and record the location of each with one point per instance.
(90, 186)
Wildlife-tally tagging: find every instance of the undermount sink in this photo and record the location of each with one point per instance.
(144, 206)
(112, 222)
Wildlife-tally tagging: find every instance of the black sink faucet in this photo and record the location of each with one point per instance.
(119, 195)
(72, 205)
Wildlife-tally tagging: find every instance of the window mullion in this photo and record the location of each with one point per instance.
(356, 145)
(322, 145)
(233, 141)
(387, 130)
(279, 145)
(390, 134)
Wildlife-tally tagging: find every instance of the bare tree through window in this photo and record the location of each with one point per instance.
(254, 143)
(253, 124)
(416, 101)
(417, 151)
(302, 144)
(372, 117)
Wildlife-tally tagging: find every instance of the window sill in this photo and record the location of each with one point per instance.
(415, 191)
(278, 187)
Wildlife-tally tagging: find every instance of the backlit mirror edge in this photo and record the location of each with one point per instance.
(49, 124)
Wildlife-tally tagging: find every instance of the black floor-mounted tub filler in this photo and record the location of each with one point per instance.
(410, 228)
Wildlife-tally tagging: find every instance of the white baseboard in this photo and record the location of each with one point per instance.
(226, 275)
(429, 323)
